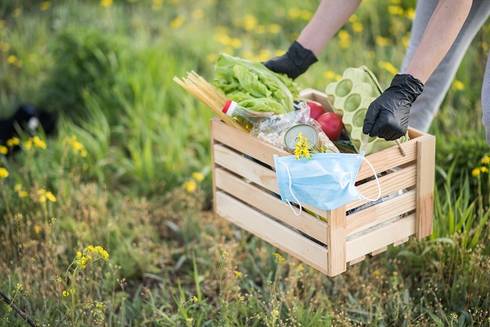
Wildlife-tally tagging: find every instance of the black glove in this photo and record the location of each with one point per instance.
(387, 116)
(294, 62)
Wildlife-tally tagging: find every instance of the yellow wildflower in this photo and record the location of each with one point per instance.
(50, 197)
(263, 55)
(19, 287)
(177, 22)
(405, 40)
(43, 196)
(4, 173)
(484, 170)
(156, 4)
(475, 172)
(19, 190)
(274, 28)
(457, 85)
(357, 27)
(388, 66)
(44, 5)
(410, 13)
(279, 258)
(294, 13)
(235, 43)
(237, 273)
(198, 176)
(38, 142)
(212, 57)
(278, 53)
(485, 160)
(13, 141)
(344, 39)
(37, 229)
(190, 186)
(28, 144)
(249, 22)
(382, 41)
(305, 14)
(353, 19)
(65, 293)
(301, 149)
(89, 254)
(395, 10)
(3, 149)
(330, 75)
(76, 146)
(12, 60)
(106, 3)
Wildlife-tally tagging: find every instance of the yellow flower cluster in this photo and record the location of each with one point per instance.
(457, 85)
(76, 146)
(382, 41)
(90, 254)
(477, 171)
(301, 149)
(249, 23)
(3, 149)
(157, 4)
(14, 61)
(35, 141)
(298, 13)
(222, 37)
(13, 142)
(388, 66)
(177, 22)
(279, 258)
(344, 39)
(331, 75)
(21, 193)
(68, 292)
(106, 3)
(43, 196)
(4, 173)
(191, 185)
(44, 5)
(357, 26)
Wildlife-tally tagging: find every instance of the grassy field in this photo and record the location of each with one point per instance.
(108, 222)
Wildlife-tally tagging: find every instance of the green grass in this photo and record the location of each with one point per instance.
(109, 72)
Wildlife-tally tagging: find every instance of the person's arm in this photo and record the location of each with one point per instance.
(387, 116)
(329, 17)
(443, 28)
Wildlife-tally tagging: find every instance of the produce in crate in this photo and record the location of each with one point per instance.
(351, 97)
(331, 125)
(316, 109)
(253, 86)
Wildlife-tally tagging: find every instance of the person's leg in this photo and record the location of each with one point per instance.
(485, 100)
(427, 105)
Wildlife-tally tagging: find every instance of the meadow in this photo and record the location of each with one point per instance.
(108, 222)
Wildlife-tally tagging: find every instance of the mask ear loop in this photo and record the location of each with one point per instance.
(296, 213)
(377, 181)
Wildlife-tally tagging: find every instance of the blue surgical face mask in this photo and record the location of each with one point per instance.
(326, 181)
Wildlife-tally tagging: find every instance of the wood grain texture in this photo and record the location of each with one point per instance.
(246, 143)
(390, 183)
(380, 237)
(271, 205)
(426, 149)
(383, 211)
(336, 241)
(271, 231)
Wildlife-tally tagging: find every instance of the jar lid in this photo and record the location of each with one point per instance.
(308, 132)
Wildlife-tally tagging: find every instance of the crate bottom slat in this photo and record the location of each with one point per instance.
(271, 231)
(380, 237)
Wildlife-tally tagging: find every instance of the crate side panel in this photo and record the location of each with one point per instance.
(381, 212)
(245, 143)
(426, 148)
(398, 180)
(271, 231)
(380, 237)
(270, 205)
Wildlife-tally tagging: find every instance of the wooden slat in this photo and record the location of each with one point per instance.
(252, 171)
(356, 261)
(245, 143)
(426, 148)
(383, 236)
(382, 211)
(336, 241)
(388, 158)
(271, 231)
(390, 183)
(379, 251)
(213, 167)
(271, 205)
(400, 242)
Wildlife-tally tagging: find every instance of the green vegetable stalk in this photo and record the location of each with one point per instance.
(253, 86)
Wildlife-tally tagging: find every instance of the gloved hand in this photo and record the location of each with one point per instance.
(387, 116)
(294, 62)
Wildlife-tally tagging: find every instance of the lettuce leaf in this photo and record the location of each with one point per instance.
(253, 86)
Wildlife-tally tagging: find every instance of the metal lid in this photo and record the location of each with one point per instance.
(308, 131)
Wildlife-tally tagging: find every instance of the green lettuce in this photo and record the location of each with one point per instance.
(253, 86)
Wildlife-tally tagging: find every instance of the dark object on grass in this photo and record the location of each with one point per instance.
(28, 119)
(17, 310)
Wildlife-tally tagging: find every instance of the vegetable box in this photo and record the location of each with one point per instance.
(246, 194)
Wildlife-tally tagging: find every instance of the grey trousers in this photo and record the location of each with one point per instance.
(426, 106)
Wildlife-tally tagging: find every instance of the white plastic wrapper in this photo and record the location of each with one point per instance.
(272, 129)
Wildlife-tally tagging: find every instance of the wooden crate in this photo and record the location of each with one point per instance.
(246, 194)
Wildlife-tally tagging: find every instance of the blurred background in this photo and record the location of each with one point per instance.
(128, 170)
